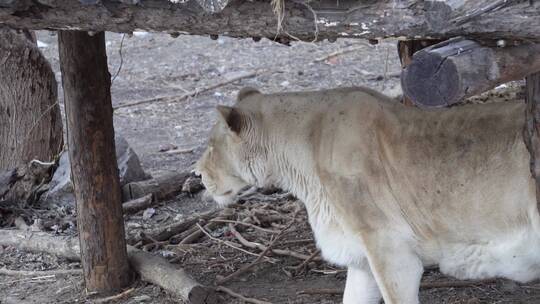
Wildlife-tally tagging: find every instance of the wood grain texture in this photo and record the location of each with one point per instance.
(86, 82)
(30, 122)
(449, 72)
(531, 133)
(345, 18)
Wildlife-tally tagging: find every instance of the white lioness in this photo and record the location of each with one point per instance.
(389, 189)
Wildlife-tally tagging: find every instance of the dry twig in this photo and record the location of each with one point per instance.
(339, 53)
(303, 265)
(256, 261)
(241, 297)
(424, 285)
(245, 224)
(113, 297)
(4, 271)
(229, 244)
(189, 94)
(262, 247)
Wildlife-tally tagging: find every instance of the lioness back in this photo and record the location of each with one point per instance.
(388, 188)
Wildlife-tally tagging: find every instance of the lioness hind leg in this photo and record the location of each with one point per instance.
(396, 268)
(361, 287)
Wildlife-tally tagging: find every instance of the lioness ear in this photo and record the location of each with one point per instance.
(232, 117)
(247, 91)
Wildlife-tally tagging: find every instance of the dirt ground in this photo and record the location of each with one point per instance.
(156, 65)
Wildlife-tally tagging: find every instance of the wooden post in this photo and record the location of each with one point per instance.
(450, 71)
(532, 127)
(406, 50)
(86, 82)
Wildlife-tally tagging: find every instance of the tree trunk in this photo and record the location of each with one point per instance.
(87, 96)
(30, 122)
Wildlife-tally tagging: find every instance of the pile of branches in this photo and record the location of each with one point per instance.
(262, 228)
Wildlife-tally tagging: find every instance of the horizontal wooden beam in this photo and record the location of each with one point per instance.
(448, 72)
(307, 21)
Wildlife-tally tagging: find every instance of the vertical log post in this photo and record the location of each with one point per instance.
(86, 82)
(532, 127)
(406, 50)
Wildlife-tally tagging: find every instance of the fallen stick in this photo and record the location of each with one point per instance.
(163, 185)
(188, 94)
(245, 224)
(241, 297)
(151, 268)
(338, 53)
(190, 239)
(455, 284)
(328, 291)
(113, 297)
(46, 278)
(231, 244)
(10, 272)
(138, 204)
(250, 265)
(305, 263)
(262, 247)
(423, 285)
(63, 246)
(164, 233)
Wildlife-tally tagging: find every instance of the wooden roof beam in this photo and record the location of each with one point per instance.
(510, 19)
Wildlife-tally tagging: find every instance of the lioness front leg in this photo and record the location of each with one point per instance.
(361, 287)
(396, 268)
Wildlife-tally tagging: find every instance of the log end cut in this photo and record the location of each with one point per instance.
(430, 81)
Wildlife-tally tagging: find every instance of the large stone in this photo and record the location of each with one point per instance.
(61, 189)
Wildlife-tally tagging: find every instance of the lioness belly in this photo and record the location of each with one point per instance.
(337, 246)
(513, 256)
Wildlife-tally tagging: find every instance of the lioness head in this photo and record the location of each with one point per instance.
(235, 158)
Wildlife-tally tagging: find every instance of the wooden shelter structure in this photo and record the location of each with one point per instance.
(498, 43)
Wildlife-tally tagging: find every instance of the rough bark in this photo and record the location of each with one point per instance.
(531, 134)
(30, 122)
(151, 268)
(345, 18)
(25, 184)
(448, 72)
(86, 81)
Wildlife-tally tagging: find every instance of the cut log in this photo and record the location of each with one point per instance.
(448, 72)
(531, 134)
(325, 19)
(406, 50)
(86, 81)
(138, 204)
(162, 186)
(151, 268)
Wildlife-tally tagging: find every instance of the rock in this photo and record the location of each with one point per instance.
(129, 165)
(148, 213)
(61, 189)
